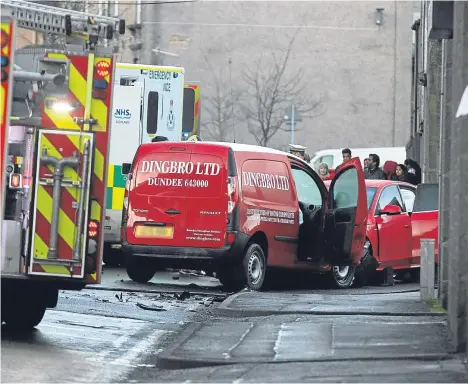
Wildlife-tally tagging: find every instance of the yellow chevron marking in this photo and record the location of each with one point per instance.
(66, 228)
(99, 164)
(96, 211)
(40, 248)
(55, 269)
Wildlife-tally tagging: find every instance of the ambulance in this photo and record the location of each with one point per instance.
(148, 102)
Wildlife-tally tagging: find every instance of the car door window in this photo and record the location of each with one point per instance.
(427, 198)
(346, 190)
(307, 189)
(408, 197)
(390, 195)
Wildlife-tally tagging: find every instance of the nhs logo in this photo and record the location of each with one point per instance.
(122, 116)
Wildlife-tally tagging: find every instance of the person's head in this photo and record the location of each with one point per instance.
(366, 162)
(158, 139)
(323, 169)
(374, 161)
(307, 158)
(400, 170)
(297, 150)
(346, 154)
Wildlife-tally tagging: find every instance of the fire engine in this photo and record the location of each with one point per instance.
(56, 105)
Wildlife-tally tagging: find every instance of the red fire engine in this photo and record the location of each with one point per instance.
(54, 138)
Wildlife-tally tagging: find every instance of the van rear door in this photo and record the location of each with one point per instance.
(157, 210)
(207, 198)
(178, 198)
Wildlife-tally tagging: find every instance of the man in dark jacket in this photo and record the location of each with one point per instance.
(373, 171)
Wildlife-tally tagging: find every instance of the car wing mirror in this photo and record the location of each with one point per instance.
(126, 168)
(391, 210)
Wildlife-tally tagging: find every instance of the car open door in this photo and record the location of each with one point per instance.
(346, 217)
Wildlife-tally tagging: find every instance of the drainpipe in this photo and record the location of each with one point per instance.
(59, 166)
(415, 28)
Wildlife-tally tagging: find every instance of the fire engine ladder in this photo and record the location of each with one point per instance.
(64, 22)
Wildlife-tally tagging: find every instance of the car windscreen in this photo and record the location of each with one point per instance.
(427, 198)
(370, 195)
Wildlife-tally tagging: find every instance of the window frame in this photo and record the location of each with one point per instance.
(377, 203)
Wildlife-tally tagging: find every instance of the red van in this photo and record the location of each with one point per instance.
(236, 209)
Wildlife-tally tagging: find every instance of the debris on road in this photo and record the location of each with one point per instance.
(183, 296)
(158, 308)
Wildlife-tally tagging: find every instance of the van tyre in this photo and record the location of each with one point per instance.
(342, 276)
(140, 269)
(250, 273)
(254, 266)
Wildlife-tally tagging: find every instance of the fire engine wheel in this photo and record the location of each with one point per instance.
(24, 316)
(140, 269)
(342, 276)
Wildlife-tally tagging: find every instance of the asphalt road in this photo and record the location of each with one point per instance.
(115, 332)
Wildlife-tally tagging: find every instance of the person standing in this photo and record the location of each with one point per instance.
(366, 164)
(324, 172)
(373, 171)
(346, 153)
(297, 150)
(402, 173)
(414, 171)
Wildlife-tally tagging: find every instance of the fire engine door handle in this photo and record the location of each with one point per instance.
(172, 211)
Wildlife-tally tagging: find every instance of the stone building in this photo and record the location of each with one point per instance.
(352, 59)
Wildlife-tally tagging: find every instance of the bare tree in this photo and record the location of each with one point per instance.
(271, 91)
(222, 107)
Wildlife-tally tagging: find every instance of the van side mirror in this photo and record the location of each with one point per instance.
(126, 168)
(391, 210)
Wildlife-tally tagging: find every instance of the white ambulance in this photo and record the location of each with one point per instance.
(148, 102)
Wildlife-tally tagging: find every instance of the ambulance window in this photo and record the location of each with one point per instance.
(346, 189)
(188, 110)
(152, 116)
(307, 189)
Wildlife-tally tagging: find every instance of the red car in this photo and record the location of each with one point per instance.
(400, 215)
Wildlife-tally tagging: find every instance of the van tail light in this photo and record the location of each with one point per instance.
(93, 229)
(233, 196)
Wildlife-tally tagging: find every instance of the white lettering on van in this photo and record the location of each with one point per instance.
(265, 180)
(180, 167)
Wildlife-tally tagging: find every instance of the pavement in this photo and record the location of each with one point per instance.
(332, 337)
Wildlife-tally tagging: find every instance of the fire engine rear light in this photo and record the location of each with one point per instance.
(15, 181)
(99, 94)
(100, 84)
(93, 229)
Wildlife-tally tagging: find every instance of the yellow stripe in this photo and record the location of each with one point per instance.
(117, 198)
(66, 228)
(98, 164)
(96, 211)
(110, 176)
(40, 248)
(55, 269)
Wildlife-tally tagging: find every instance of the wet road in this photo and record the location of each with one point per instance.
(116, 331)
(103, 335)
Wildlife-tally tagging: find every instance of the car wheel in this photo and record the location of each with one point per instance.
(342, 276)
(140, 269)
(367, 268)
(254, 266)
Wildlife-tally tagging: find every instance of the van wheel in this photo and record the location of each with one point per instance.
(250, 273)
(140, 269)
(342, 276)
(254, 266)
